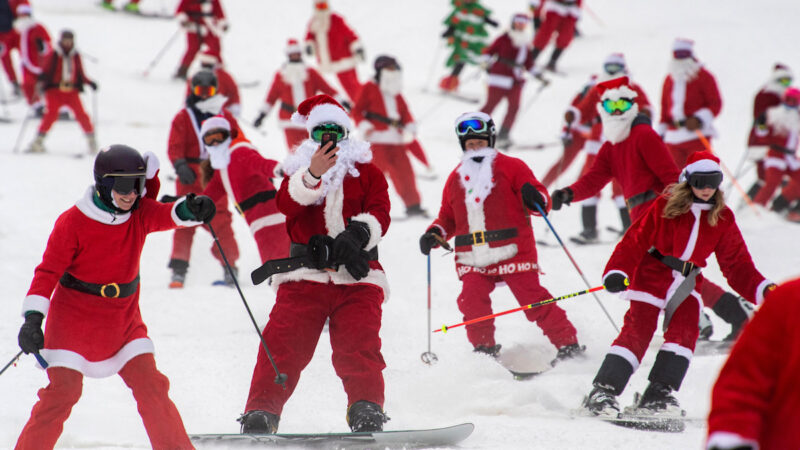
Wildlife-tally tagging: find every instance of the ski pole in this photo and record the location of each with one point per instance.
(728, 173)
(429, 357)
(575, 264)
(22, 128)
(280, 378)
(10, 363)
(446, 328)
(161, 52)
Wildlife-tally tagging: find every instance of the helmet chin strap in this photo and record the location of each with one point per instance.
(108, 200)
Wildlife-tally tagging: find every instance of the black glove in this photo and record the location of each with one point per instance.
(346, 105)
(92, 85)
(358, 266)
(537, 23)
(531, 197)
(428, 240)
(166, 198)
(259, 120)
(349, 243)
(201, 207)
(561, 197)
(31, 338)
(615, 282)
(320, 251)
(491, 22)
(185, 173)
(451, 30)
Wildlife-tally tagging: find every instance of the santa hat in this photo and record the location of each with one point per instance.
(616, 89)
(781, 71)
(215, 123)
(293, 46)
(520, 18)
(321, 109)
(24, 9)
(683, 47)
(704, 161)
(615, 58)
(206, 57)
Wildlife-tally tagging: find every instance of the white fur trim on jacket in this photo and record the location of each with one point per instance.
(299, 192)
(760, 290)
(375, 229)
(706, 116)
(374, 277)
(35, 303)
(178, 220)
(151, 164)
(618, 93)
(726, 439)
(334, 221)
(98, 369)
(86, 205)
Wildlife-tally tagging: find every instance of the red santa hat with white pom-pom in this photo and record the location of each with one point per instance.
(704, 161)
(616, 89)
(293, 46)
(781, 71)
(321, 109)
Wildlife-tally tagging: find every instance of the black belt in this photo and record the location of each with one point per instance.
(298, 258)
(255, 199)
(782, 149)
(110, 290)
(482, 237)
(640, 198)
(187, 160)
(301, 250)
(679, 265)
(287, 107)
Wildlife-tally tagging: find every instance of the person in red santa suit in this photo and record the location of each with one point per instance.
(62, 81)
(235, 169)
(225, 82)
(383, 117)
(90, 296)
(690, 101)
(337, 209)
(205, 23)
(754, 402)
(9, 38)
(560, 17)
(186, 151)
(486, 205)
(336, 45)
(34, 45)
(509, 58)
(662, 255)
(293, 83)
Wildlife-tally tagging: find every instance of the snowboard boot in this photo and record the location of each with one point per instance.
(132, 8)
(449, 83)
(568, 352)
(601, 401)
(551, 65)
(37, 146)
(780, 204)
(416, 211)
(179, 268)
(658, 399)
(92, 142)
(734, 310)
(259, 422)
(705, 326)
(180, 74)
(503, 140)
(492, 351)
(365, 417)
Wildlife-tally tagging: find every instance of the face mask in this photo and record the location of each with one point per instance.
(391, 81)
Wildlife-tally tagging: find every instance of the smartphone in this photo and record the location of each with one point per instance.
(328, 137)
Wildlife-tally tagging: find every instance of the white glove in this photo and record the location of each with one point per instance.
(151, 165)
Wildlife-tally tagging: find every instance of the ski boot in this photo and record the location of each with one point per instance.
(780, 204)
(227, 278)
(736, 311)
(551, 65)
(601, 402)
(37, 146)
(259, 422)
(657, 399)
(132, 8)
(449, 83)
(705, 326)
(16, 89)
(568, 352)
(416, 211)
(492, 351)
(588, 236)
(365, 417)
(179, 268)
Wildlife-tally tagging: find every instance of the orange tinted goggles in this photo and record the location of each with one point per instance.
(205, 91)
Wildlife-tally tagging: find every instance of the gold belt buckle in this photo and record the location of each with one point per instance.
(479, 238)
(65, 86)
(103, 290)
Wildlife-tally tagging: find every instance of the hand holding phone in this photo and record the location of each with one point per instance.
(328, 137)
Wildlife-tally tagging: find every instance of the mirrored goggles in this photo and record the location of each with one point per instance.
(328, 128)
(216, 136)
(612, 68)
(623, 105)
(477, 126)
(124, 184)
(785, 81)
(204, 91)
(703, 180)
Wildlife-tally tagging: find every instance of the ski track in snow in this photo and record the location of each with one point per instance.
(205, 343)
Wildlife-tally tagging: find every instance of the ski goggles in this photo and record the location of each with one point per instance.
(785, 81)
(612, 68)
(703, 180)
(682, 54)
(216, 136)
(472, 126)
(328, 128)
(622, 105)
(124, 184)
(204, 91)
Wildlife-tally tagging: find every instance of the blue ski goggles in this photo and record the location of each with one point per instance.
(472, 126)
(612, 106)
(124, 184)
(703, 180)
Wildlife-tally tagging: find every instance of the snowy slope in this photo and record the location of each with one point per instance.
(204, 340)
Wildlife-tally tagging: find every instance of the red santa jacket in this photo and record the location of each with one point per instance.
(485, 196)
(291, 92)
(640, 163)
(226, 86)
(688, 237)
(96, 335)
(765, 99)
(372, 100)
(55, 73)
(581, 127)
(34, 45)
(207, 13)
(755, 400)
(586, 110)
(564, 8)
(782, 139)
(185, 140)
(681, 99)
(334, 42)
(511, 62)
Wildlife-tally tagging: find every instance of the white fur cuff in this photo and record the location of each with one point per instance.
(180, 222)
(375, 229)
(35, 303)
(727, 439)
(760, 291)
(706, 116)
(152, 165)
(299, 192)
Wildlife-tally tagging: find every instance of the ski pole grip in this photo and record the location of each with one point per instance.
(41, 361)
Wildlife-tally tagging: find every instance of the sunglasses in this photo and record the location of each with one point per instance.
(216, 137)
(204, 91)
(125, 184)
(702, 180)
(623, 105)
(328, 128)
(785, 81)
(471, 126)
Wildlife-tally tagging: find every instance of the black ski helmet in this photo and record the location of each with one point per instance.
(384, 62)
(122, 169)
(204, 78)
(488, 132)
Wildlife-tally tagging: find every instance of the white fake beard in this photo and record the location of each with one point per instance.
(784, 120)
(211, 105)
(617, 128)
(683, 69)
(520, 38)
(293, 72)
(776, 87)
(480, 183)
(391, 82)
(219, 155)
(23, 23)
(320, 20)
(350, 152)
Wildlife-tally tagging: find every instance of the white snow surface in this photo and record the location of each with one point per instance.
(205, 342)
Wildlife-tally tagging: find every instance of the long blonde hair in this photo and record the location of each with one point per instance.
(680, 198)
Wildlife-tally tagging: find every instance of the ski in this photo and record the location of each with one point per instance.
(580, 241)
(405, 438)
(540, 146)
(523, 376)
(648, 422)
(459, 97)
(545, 243)
(144, 14)
(707, 347)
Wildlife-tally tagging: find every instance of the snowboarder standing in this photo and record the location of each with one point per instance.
(186, 151)
(383, 117)
(204, 22)
(293, 83)
(336, 45)
(90, 296)
(486, 206)
(34, 45)
(337, 208)
(560, 17)
(62, 81)
(662, 255)
(466, 34)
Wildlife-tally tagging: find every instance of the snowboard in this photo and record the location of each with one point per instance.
(385, 439)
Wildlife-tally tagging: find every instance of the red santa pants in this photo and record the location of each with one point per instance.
(776, 167)
(680, 152)
(563, 163)
(641, 320)
(294, 137)
(273, 242)
(295, 323)
(474, 302)
(183, 237)
(8, 40)
(511, 95)
(54, 100)
(349, 81)
(150, 390)
(194, 40)
(29, 86)
(555, 23)
(393, 160)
